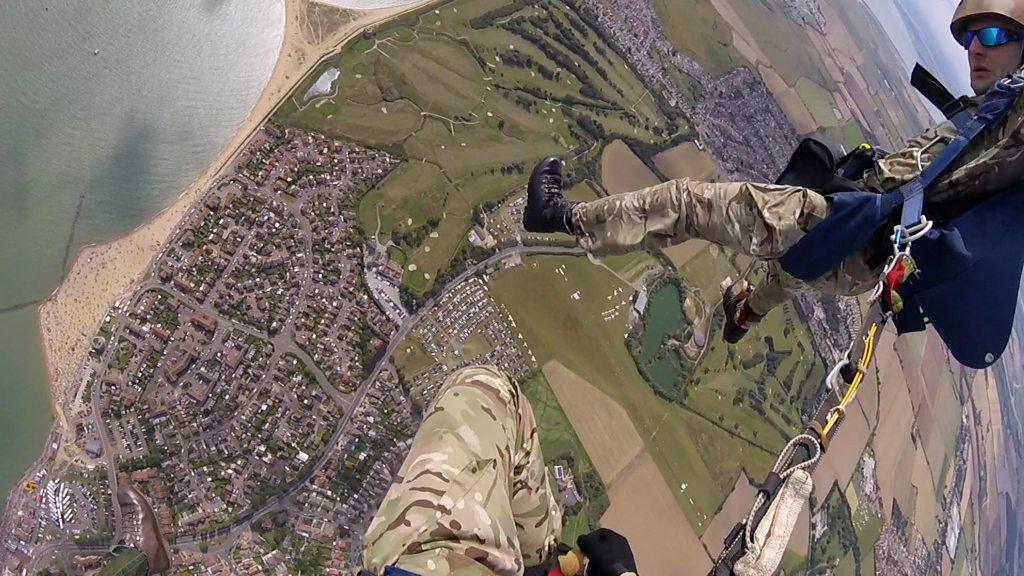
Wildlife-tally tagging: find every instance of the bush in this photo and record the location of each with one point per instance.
(487, 18)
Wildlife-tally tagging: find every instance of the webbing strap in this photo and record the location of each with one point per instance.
(962, 117)
(996, 106)
(954, 109)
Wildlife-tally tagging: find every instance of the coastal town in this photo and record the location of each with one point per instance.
(245, 406)
(245, 372)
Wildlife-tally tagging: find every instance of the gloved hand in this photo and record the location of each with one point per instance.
(608, 551)
(547, 210)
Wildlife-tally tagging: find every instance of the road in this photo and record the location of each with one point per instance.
(45, 553)
(282, 344)
(395, 341)
(109, 452)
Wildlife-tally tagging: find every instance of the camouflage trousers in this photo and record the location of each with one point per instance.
(473, 497)
(759, 220)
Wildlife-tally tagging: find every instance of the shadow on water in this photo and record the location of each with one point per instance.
(212, 6)
(19, 306)
(18, 202)
(15, 188)
(128, 171)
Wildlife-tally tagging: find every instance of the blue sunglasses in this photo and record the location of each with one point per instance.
(989, 37)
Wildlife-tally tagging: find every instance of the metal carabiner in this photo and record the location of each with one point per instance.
(919, 231)
(1014, 82)
(905, 236)
(831, 380)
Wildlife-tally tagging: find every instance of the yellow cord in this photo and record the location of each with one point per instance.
(851, 392)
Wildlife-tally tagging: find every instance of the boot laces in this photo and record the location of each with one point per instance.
(552, 186)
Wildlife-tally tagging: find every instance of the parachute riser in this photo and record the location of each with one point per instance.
(805, 451)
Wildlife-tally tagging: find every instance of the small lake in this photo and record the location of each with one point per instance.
(664, 318)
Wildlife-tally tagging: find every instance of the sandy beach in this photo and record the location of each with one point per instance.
(102, 273)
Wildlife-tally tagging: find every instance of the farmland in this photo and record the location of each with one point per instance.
(686, 447)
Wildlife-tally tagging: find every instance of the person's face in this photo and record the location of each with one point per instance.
(989, 64)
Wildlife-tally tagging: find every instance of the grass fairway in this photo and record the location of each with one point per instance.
(686, 448)
(414, 191)
(819, 102)
(412, 358)
(756, 389)
(557, 439)
(478, 98)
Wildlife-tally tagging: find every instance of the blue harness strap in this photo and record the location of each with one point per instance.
(969, 268)
(391, 571)
(998, 102)
(854, 216)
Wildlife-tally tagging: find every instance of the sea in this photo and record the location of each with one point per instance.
(108, 110)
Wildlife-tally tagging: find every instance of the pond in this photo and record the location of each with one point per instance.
(664, 319)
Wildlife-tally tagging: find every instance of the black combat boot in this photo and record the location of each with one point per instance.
(738, 315)
(546, 209)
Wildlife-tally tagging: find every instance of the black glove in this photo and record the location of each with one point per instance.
(547, 210)
(608, 551)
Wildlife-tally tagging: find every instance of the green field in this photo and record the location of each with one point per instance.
(867, 537)
(783, 41)
(695, 27)
(630, 267)
(560, 443)
(792, 564)
(965, 546)
(414, 191)
(848, 135)
(411, 358)
(756, 388)
(469, 99)
(819, 101)
(686, 447)
(127, 563)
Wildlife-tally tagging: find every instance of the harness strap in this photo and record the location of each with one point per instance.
(932, 89)
(997, 104)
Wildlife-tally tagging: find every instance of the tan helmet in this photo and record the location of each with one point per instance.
(1012, 10)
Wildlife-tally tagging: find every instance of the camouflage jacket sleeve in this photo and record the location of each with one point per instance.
(903, 166)
(991, 164)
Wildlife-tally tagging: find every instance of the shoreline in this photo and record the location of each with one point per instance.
(102, 273)
(69, 316)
